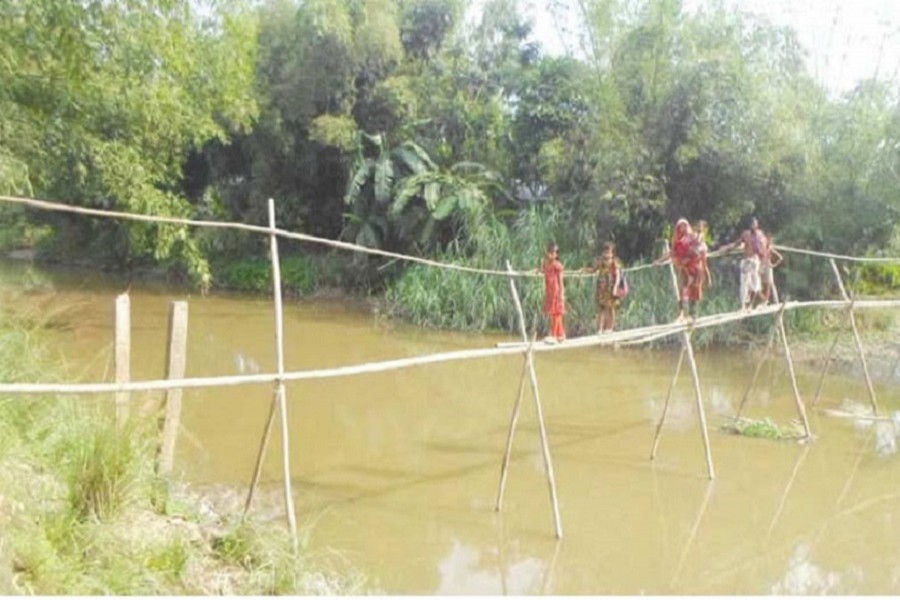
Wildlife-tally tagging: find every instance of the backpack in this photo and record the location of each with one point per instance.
(621, 291)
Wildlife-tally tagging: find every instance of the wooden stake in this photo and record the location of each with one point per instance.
(859, 346)
(176, 361)
(545, 447)
(759, 365)
(662, 419)
(801, 408)
(123, 353)
(686, 344)
(280, 393)
(828, 358)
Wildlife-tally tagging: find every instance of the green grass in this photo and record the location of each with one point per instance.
(77, 510)
(764, 428)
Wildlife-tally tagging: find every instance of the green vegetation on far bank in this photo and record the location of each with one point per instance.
(82, 511)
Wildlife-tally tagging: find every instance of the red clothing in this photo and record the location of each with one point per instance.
(554, 295)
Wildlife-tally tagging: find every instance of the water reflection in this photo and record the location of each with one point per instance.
(464, 572)
(804, 577)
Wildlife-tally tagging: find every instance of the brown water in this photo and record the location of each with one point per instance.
(398, 472)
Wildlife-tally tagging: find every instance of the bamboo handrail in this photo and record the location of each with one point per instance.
(400, 363)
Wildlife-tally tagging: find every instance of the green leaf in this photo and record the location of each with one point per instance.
(445, 208)
(432, 193)
(384, 179)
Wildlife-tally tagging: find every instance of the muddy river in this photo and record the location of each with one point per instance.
(398, 472)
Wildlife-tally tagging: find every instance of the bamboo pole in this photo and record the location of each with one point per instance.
(828, 358)
(686, 343)
(123, 354)
(402, 363)
(280, 392)
(859, 346)
(662, 419)
(545, 446)
(759, 365)
(260, 456)
(176, 361)
(513, 421)
(801, 408)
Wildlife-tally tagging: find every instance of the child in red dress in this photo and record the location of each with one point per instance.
(554, 293)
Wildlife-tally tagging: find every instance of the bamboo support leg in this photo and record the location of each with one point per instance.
(545, 447)
(856, 338)
(662, 419)
(827, 364)
(801, 408)
(280, 392)
(263, 446)
(686, 342)
(514, 419)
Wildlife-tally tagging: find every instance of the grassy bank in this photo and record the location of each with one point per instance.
(82, 511)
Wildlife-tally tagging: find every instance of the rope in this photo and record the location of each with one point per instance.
(96, 212)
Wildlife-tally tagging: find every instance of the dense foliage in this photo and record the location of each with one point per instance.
(417, 126)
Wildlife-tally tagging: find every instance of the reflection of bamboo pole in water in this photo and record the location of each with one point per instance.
(692, 536)
(660, 512)
(662, 419)
(828, 358)
(547, 578)
(787, 492)
(501, 554)
(856, 463)
(759, 367)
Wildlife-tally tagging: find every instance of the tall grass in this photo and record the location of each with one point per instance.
(76, 510)
(450, 300)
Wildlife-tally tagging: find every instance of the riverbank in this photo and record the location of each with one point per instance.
(82, 511)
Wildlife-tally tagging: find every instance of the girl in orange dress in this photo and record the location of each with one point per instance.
(554, 292)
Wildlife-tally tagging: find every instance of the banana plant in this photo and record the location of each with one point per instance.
(400, 197)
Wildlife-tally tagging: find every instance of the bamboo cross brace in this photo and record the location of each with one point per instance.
(665, 412)
(801, 408)
(545, 447)
(828, 357)
(859, 346)
(513, 421)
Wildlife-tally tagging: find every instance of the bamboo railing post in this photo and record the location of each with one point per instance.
(828, 357)
(859, 346)
(759, 365)
(280, 392)
(801, 408)
(176, 360)
(123, 354)
(686, 342)
(662, 419)
(545, 446)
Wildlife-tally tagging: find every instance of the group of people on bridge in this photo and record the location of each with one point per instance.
(688, 252)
